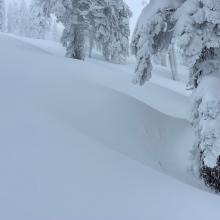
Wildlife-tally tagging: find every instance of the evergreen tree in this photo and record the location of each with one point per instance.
(13, 18)
(2, 15)
(75, 25)
(198, 37)
(71, 14)
(121, 32)
(39, 23)
(109, 26)
(23, 19)
(194, 26)
(105, 22)
(153, 34)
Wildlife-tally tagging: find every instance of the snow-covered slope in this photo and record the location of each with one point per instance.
(76, 147)
(160, 93)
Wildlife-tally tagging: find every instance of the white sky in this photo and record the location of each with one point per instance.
(135, 5)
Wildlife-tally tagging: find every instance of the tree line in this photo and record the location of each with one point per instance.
(87, 24)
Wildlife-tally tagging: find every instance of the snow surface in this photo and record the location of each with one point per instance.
(79, 141)
(167, 94)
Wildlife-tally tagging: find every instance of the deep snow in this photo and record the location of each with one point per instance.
(79, 141)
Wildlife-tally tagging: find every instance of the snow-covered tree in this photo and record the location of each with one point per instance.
(74, 21)
(56, 32)
(194, 27)
(39, 23)
(109, 25)
(71, 13)
(2, 15)
(198, 38)
(153, 34)
(122, 32)
(23, 19)
(18, 18)
(13, 18)
(104, 22)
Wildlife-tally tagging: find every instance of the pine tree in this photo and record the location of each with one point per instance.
(39, 23)
(104, 22)
(23, 19)
(13, 18)
(153, 34)
(194, 26)
(71, 14)
(198, 37)
(122, 32)
(2, 15)
(74, 21)
(109, 27)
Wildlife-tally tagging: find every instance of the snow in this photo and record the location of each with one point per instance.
(79, 141)
(152, 8)
(208, 96)
(173, 93)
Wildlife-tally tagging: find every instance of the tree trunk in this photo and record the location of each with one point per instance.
(173, 63)
(91, 44)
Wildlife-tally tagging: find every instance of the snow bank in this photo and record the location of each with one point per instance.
(160, 93)
(73, 149)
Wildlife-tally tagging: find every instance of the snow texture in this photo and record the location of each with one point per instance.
(74, 148)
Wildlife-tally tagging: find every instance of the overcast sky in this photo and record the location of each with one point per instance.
(135, 5)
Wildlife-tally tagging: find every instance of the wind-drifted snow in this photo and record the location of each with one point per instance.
(74, 148)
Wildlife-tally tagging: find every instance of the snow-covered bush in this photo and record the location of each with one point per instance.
(2, 15)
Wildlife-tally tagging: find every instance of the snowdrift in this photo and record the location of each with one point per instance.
(73, 147)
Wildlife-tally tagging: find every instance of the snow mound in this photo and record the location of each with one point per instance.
(160, 93)
(73, 148)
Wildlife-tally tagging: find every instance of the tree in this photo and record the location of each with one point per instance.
(55, 31)
(198, 37)
(194, 27)
(13, 18)
(109, 25)
(105, 22)
(23, 19)
(2, 15)
(153, 34)
(122, 32)
(71, 14)
(39, 23)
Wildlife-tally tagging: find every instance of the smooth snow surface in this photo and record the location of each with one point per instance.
(79, 141)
